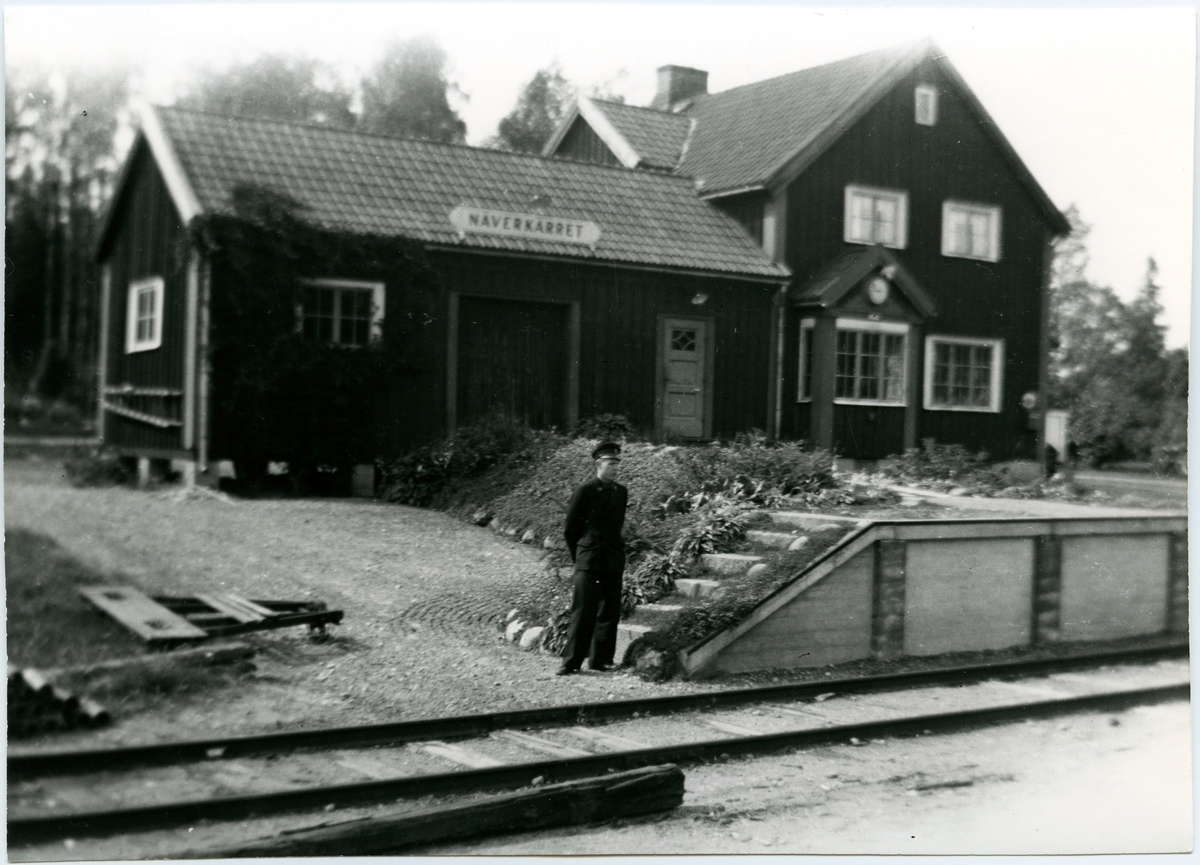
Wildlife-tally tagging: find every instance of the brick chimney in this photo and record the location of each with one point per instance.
(677, 84)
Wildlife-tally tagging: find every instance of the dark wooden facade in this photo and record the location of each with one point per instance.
(582, 143)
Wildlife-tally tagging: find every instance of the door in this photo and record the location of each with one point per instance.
(512, 360)
(685, 353)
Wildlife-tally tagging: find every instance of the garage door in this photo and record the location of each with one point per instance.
(512, 359)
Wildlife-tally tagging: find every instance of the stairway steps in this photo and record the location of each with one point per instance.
(812, 522)
(696, 588)
(772, 540)
(728, 563)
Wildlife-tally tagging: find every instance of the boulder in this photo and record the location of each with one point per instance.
(755, 570)
(532, 638)
(513, 630)
(512, 614)
(529, 537)
(798, 544)
(481, 517)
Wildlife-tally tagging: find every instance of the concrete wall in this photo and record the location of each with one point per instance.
(968, 595)
(828, 624)
(1114, 586)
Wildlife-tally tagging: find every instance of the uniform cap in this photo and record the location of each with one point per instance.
(612, 450)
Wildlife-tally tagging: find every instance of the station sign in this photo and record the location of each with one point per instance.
(527, 226)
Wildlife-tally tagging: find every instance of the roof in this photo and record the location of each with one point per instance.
(834, 281)
(374, 185)
(763, 134)
(658, 137)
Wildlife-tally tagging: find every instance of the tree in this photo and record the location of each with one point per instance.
(406, 94)
(275, 86)
(541, 107)
(60, 164)
(1109, 366)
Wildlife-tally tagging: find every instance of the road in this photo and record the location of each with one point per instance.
(1171, 492)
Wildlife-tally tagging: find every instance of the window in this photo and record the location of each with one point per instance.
(971, 231)
(804, 388)
(876, 216)
(869, 362)
(143, 322)
(963, 374)
(925, 98)
(340, 311)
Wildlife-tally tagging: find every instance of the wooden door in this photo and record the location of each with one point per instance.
(512, 360)
(685, 352)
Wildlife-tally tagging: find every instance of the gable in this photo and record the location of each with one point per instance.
(581, 142)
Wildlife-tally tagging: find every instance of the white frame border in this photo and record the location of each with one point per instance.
(867, 326)
(136, 287)
(377, 304)
(997, 382)
(933, 104)
(993, 210)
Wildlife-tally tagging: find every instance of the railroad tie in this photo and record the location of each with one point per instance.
(731, 729)
(606, 740)
(536, 743)
(462, 756)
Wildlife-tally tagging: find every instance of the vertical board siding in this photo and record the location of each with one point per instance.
(951, 160)
(867, 432)
(968, 595)
(828, 624)
(619, 314)
(149, 240)
(583, 144)
(1114, 586)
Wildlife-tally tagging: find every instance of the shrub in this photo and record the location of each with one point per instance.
(651, 580)
(613, 427)
(97, 469)
(720, 527)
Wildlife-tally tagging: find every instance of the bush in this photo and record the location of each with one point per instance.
(610, 427)
(97, 469)
(720, 527)
(654, 578)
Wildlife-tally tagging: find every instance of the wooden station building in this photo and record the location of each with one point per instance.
(851, 255)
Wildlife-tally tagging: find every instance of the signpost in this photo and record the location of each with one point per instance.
(526, 226)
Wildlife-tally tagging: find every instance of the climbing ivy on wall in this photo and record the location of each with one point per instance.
(275, 394)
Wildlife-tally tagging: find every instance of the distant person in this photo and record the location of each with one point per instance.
(593, 532)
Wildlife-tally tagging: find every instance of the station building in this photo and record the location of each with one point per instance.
(851, 254)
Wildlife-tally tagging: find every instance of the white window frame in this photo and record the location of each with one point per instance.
(377, 306)
(155, 287)
(996, 382)
(930, 92)
(968, 208)
(883, 327)
(807, 327)
(898, 196)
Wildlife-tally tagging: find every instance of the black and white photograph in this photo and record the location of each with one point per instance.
(597, 429)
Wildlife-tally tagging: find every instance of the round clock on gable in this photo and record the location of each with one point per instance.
(877, 290)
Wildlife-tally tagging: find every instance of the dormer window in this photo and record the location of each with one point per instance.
(876, 216)
(925, 98)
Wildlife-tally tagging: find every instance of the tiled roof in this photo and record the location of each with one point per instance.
(657, 136)
(366, 184)
(744, 135)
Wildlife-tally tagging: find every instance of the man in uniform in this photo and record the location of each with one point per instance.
(593, 532)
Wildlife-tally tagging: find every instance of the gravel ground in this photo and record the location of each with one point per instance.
(417, 588)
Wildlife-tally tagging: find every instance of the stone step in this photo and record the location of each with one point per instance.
(659, 608)
(812, 522)
(626, 634)
(730, 564)
(774, 540)
(693, 588)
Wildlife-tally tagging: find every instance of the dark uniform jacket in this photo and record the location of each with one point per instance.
(593, 530)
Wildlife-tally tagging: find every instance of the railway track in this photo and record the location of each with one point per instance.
(95, 793)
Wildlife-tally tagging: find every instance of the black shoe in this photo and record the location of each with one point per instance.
(601, 668)
(567, 670)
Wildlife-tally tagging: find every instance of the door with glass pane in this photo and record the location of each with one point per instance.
(685, 376)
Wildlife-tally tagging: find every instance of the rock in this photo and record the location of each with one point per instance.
(529, 537)
(755, 570)
(512, 614)
(547, 543)
(481, 517)
(532, 637)
(512, 533)
(959, 491)
(494, 524)
(513, 630)
(798, 544)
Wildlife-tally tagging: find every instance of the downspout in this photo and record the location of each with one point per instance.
(780, 322)
(102, 360)
(205, 370)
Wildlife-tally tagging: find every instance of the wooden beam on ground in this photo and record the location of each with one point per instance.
(151, 621)
(651, 790)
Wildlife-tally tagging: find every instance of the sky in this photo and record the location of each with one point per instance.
(1098, 102)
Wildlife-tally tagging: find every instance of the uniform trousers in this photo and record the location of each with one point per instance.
(595, 612)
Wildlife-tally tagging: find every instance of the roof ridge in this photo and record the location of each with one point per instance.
(646, 108)
(900, 50)
(356, 133)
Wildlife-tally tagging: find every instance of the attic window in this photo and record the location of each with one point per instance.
(926, 104)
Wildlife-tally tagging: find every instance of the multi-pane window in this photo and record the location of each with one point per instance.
(869, 364)
(925, 97)
(804, 390)
(971, 231)
(876, 216)
(341, 312)
(963, 374)
(143, 323)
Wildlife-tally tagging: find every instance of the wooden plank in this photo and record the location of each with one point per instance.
(152, 622)
(537, 743)
(462, 756)
(607, 740)
(221, 604)
(250, 606)
(731, 729)
(591, 800)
